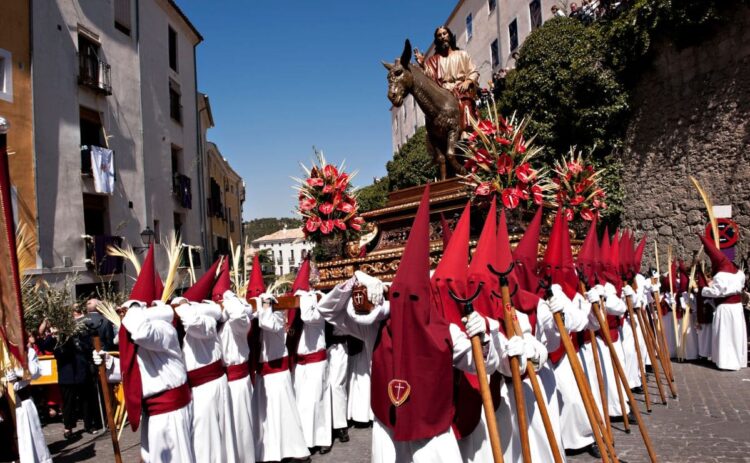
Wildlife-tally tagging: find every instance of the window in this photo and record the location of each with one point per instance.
(172, 49)
(535, 13)
(6, 76)
(91, 135)
(513, 33)
(122, 16)
(469, 28)
(157, 232)
(176, 156)
(175, 108)
(491, 5)
(93, 71)
(95, 215)
(178, 221)
(494, 54)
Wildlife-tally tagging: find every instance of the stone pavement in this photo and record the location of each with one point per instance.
(708, 423)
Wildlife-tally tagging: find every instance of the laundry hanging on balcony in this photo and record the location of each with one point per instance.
(103, 169)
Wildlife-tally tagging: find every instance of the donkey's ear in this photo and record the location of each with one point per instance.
(406, 54)
(387, 65)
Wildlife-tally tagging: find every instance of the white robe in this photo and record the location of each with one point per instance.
(614, 306)
(311, 380)
(213, 425)
(32, 447)
(168, 436)
(337, 310)
(337, 380)
(235, 351)
(547, 339)
(667, 324)
(278, 420)
(690, 340)
(358, 404)
(729, 334)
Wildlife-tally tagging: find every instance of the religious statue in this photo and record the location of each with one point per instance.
(444, 86)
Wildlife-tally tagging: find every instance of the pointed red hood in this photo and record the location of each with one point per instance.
(719, 261)
(255, 286)
(638, 255)
(147, 288)
(684, 277)
(485, 254)
(446, 232)
(414, 348)
(302, 281)
(523, 300)
(223, 282)
(587, 255)
(201, 290)
(557, 264)
(526, 254)
(452, 271)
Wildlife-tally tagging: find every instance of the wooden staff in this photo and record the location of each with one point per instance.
(646, 331)
(667, 362)
(512, 328)
(618, 383)
(484, 385)
(674, 306)
(108, 402)
(619, 371)
(600, 381)
(601, 436)
(641, 367)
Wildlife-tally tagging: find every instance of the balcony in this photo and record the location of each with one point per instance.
(97, 259)
(94, 73)
(182, 190)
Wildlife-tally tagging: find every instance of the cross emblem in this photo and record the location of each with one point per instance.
(358, 298)
(398, 391)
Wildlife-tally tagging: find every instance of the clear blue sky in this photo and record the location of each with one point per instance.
(283, 76)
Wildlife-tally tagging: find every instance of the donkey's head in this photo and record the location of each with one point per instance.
(400, 78)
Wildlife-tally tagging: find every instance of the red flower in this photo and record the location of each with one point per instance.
(330, 171)
(569, 213)
(326, 226)
(597, 204)
(575, 167)
(600, 193)
(307, 204)
(586, 214)
(328, 189)
(522, 193)
(510, 198)
(312, 224)
(482, 156)
(338, 223)
(342, 181)
(536, 193)
(356, 223)
(345, 207)
(486, 127)
(578, 199)
(525, 173)
(326, 208)
(483, 189)
(579, 187)
(315, 181)
(502, 141)
(504, 164)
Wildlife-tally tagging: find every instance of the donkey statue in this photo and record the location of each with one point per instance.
(440, 108)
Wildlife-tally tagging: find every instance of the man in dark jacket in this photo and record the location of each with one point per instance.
(76, 379)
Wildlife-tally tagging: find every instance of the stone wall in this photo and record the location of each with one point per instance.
(691, 117)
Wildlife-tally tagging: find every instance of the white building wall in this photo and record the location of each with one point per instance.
(57, 99)
(287, 255)
(487, 26)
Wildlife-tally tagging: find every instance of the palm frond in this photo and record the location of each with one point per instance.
(174, 253)
(126, 253)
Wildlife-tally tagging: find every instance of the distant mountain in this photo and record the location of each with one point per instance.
(260, 227)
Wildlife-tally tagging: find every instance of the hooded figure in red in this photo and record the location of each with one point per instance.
(719, 261)
(255, 287)
(147, 288)
(202, 288)
(414, 352)
(587, 255)
(526, 255)
(485, 254)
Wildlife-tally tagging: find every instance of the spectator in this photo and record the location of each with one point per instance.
(556, 11)
(575, 12)
(44, 344)
(97, 324)
(76, 380)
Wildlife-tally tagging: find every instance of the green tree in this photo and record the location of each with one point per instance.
(256, 228)
(373, 196)
(411, 165)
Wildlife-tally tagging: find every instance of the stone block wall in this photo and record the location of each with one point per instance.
(691, 117)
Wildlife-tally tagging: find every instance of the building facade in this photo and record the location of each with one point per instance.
(286, 248)
(114, 104)
(490, 31)
(226, 194)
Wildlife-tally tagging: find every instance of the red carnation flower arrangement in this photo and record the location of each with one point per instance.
(327, 202)
(500, 160)
(576, 187)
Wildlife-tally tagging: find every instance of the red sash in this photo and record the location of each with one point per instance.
(239, 371)
(733, 299)
(274, 366)
(167, 401)
(315, 357)
(204, 374)
(558, 354)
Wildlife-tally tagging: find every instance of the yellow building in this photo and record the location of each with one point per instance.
(16, 108)
(225, 191)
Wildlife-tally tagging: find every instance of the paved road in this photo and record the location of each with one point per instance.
(710, 422)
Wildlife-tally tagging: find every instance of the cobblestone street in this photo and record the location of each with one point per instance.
(708, 423)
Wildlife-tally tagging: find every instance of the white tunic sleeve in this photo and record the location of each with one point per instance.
(333, 309)
(147, 331)
(271, 321)
(463, 357)
(546, 331)
(725, 284)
